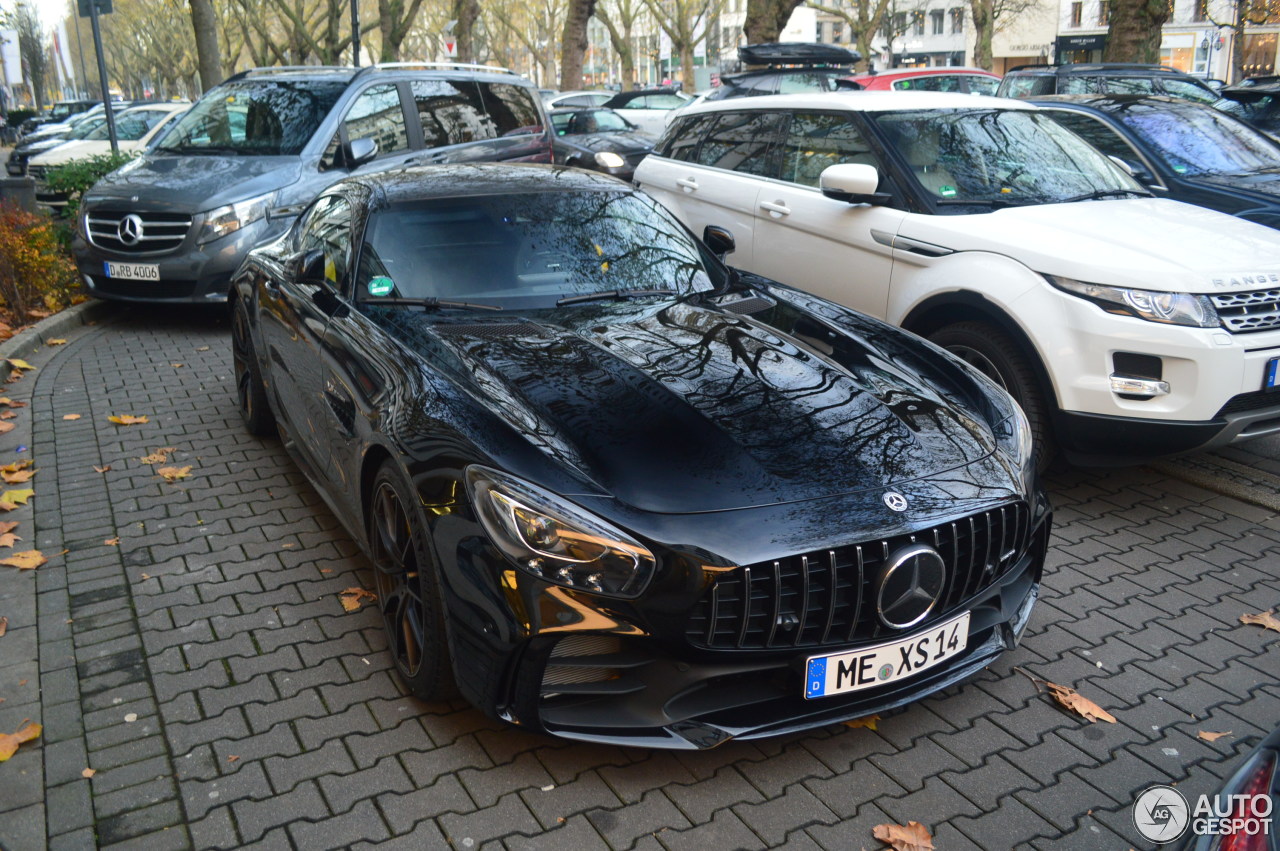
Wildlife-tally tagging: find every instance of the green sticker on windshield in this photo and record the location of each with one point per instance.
(1180, 169)
(381, 285)
(946, 191)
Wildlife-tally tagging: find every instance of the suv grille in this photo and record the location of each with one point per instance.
(159, 231)
(1251, 311)
(825, 598)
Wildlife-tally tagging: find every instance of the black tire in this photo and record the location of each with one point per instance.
(251, 394)
(997, 356)
(408, 589)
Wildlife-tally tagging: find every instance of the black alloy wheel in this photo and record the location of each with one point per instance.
(251, 394)
(997, 356)
(406, 584)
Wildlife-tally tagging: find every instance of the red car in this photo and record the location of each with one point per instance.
(974, 81)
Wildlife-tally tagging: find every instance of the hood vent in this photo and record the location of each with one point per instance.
(492, 330)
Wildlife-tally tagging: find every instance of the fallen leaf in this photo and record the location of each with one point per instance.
(112, 542)
(203, 349)
(71, 416)
(287, 546)
(1071, 699)
(869, 722)
(18, 363)
(5, 400)
(159, 456)
(18, 497)
(8, 415)
(232, 758)
(16, 466)
(22, 682)
(56, 341)
(172, 474)
(7, 539)
(130, 717)
(1212, 737)
(177, 365)
(4, 626)
(87, 773)
(29, 560)
(9, 741)
(6, 426)
(98, 469)
(16, 375)
(128, 419)
(913, 836)
(326, 570)
(351, 598)
(18, 477)
(1266, 620)
(8, 526)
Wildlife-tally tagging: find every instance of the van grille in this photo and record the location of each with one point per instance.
(159, 231)
(1250, 311)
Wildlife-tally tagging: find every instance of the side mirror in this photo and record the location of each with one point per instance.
(1134, 170)
(311, 267)
(853, 183)
(357, 152)
(719, 240)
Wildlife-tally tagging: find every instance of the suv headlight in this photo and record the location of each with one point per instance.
(230, 218)
(1151, 305)
(556, 541)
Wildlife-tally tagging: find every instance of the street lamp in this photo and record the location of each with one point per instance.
(1208, 46)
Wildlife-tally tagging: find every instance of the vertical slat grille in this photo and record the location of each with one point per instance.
(822, 598)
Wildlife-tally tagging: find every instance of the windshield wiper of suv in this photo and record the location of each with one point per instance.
(432, 303)
(1099, 194)
(611, 294)
(200, 149)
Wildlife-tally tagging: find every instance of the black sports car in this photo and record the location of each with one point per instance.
(618, 492)
(598, 139)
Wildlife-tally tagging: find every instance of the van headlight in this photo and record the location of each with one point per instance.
(230, 218)
(1152, 305)
(554, 540)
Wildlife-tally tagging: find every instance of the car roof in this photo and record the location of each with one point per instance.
(1130, 68)
(1115, 102)
(462, 180)
(899, 73)
(879, 101)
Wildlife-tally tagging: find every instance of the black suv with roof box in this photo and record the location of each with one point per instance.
(174, 224)
(1121, 78)
(786, 68)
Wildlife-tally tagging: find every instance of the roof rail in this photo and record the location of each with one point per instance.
(1098, 66)
(272, 68)
(462, 66)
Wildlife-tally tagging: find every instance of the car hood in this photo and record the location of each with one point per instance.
(192, 183)
(1145, 242)
(689, 407)
(622, 142)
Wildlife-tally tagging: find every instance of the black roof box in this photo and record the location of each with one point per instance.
(796, 53)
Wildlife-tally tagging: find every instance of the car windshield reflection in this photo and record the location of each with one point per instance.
(529, 250)
(999, 157)
(255, 117)
(1201, 141)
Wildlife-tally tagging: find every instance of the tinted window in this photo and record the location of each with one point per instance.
(1188, 90)
(377, 115)
(797, 81)
(815, 142)
(980, 85)
(512, 109)
(682, 140)
(1079, 86)
(1027, 86)
(255, 116)
(327, 227)
(451, 112)
(660, 101)
(742, 142)
(1096, 133)
(1196, 140)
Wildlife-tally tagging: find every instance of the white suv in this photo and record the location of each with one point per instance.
(1127, 326)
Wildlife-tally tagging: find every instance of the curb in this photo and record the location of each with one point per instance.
(52, 327)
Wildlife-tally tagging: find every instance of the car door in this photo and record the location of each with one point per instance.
(837, 250)
(713, 171)
(376, 113)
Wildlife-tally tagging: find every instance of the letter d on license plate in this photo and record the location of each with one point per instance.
(886, 663)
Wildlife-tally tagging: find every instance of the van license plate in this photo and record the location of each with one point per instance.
(886, 663)
(134, 271)
(1269, 378)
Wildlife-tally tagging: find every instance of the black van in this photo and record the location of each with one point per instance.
(1121, 78)
(174, 224)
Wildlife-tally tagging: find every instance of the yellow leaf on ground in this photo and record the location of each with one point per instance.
(56, 341)
(71, 416)
(18, 497)
(9, 415)
(112, 542)
(16, 466)
(29, 560)
(5, 505)
(352, 598)
(18, 363)
(5, 426)
(1212, 737)
(8, 526)
(98, 469)
(18, 477)
(5, 400)
(9, 741)
(868, 721)
(1266, 620)
(128, 419)
(203, 349)
(913, 836)
(4, 626)
(172, 474)
(87, 773)
(159, 456)
(8, 539)
(177, 365)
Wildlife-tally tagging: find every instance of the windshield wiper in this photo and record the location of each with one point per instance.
(1099, 194)
(200, 149)
(980, 202)
(611, 294)
(432, 303)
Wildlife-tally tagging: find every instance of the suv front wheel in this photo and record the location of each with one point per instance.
(997, 356)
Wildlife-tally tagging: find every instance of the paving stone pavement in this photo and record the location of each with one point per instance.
(202, 666)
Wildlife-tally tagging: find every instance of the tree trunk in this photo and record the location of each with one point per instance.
(767, 18)
(686, 66)
(1135, 31)
(466, 13)
(983, 30)
(573, 43)
(204, 21)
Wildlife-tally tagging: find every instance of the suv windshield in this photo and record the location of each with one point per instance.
(1201, 141)
(990, 157)
(255, 117)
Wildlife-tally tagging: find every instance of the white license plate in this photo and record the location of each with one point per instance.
(135, 271)
(886, 663)
(1270, 380)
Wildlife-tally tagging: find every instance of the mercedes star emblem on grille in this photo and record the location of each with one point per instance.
(895, 501)
(130, 229)
(910, 585)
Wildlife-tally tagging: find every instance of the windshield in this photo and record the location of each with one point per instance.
(130, 126)
(86, 127)
(528, 250)
(992, 157)
(1201, 141)
(255, 116)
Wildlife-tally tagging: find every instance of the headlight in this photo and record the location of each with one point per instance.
(229, 219)
(1151, 305)
(550, 538)
(608, 159)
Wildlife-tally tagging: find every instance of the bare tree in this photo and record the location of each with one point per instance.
(204, 22)
(1135, 30)
(990, 17)
(573, 43)
(864, 18)
(767, 18)
(467, 14)
(395, 19)
(31, 45)
(686, 23)
(619, 19)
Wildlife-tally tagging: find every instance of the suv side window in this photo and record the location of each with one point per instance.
(817, 140)
(1079, 85)
(1188, 91)
(451, 112)
(511, 109)
(743, 141)
(681, 143)
(376, 114)
(1027, 86)
(328, 228)
(1131, 85)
